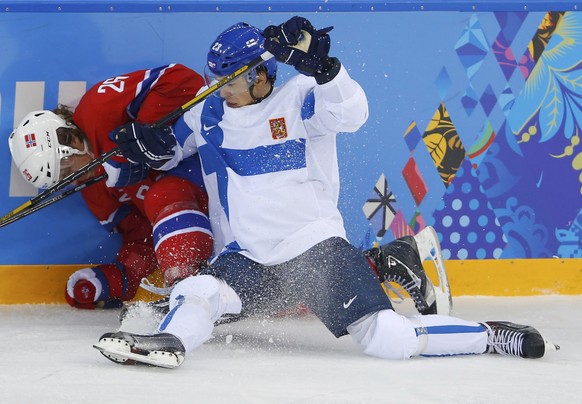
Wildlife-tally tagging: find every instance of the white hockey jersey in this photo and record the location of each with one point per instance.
(271, 169)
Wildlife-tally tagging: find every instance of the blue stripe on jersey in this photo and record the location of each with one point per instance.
(184, 221)
(181, 130)
(289, 155)
(210, 153)
(308, 108)
(189, 169)
(146, 84)
(280, 157)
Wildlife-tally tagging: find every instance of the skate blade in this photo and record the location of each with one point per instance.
(124, 356)
(443, 295)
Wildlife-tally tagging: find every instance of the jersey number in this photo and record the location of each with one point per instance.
(139, 194)
(115, 83)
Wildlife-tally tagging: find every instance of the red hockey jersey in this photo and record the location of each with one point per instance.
(145, 96)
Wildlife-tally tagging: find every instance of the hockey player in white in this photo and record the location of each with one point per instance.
(270, 168)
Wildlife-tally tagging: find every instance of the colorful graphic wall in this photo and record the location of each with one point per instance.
(474, 128)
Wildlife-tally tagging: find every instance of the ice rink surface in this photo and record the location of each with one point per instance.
(47, 357)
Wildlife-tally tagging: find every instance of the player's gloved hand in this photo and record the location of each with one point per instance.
(145, 144)
(89, 288)
(122, 174)
(298, 31)
(296, 42)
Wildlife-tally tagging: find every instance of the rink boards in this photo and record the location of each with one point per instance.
(531, 277)
(472, 126)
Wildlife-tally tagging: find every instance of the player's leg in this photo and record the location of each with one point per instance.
(386, 334)
(196, 303)
(334, 281)
(354, 303)
(181, 229)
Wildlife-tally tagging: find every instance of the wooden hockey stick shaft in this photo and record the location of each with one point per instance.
(166, 120)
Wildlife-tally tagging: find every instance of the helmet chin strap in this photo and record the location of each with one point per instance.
(86, 149)
(66, 151)
(256, 100)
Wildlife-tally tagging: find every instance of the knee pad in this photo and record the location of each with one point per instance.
(209, 292)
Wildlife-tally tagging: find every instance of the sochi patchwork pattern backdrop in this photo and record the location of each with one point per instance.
(509, 161)
(474, 128)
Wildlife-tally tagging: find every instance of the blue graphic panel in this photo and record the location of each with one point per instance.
(510, 80)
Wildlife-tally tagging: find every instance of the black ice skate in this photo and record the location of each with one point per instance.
(512, 339)
(162, 350)
(401, 262)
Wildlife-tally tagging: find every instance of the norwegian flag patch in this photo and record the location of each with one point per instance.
(30, 140)
(278, 128)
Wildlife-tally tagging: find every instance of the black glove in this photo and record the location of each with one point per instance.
(290, 33)
(297, 43)
(145, 144)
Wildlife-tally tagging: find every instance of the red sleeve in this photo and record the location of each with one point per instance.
(153, 93)
(104, 106)
(101, 200)
(174, 89)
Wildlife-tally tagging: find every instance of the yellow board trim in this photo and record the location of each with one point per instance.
(35, 284)
(519, 277)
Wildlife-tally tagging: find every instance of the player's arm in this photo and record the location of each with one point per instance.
(340, 102)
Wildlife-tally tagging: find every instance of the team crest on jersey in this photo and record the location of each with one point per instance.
(30, 140)
(278, 128)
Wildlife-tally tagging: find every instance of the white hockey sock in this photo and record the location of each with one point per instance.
(450, 335)
(195, 304)
(388, 335)
(190, 321)
(385, 334)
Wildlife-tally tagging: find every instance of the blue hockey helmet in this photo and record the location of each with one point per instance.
(235, 47)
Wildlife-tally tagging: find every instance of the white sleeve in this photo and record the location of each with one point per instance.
(340, 105)
(173, 162)
(184, 130)
(192, 120)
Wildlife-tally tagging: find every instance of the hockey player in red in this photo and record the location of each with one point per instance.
(161, 216)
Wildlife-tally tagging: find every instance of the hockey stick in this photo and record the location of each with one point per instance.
(162, 122)
(47, 202)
